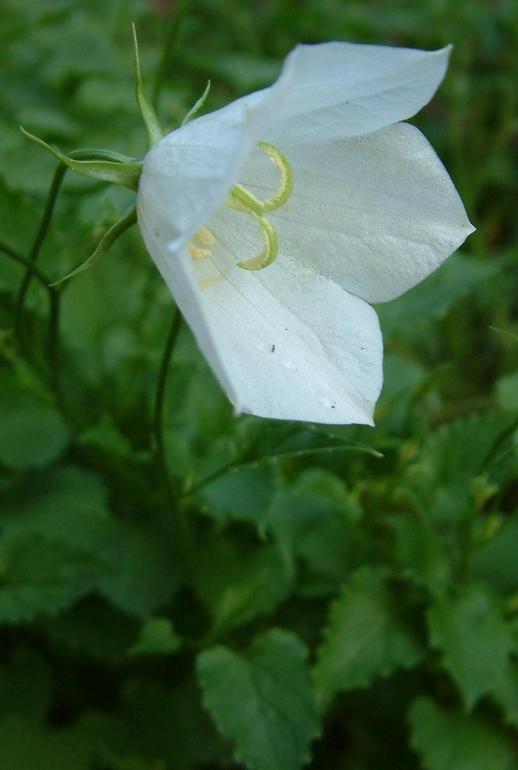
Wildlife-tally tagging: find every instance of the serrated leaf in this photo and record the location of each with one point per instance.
(450, 740)
(262, 700)
(443, 473)
(157, 637)
(474, 641)
(369, 634)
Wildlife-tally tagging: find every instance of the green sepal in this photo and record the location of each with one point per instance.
(149, 116)
(125, 174)
(197, 105)
(104, 244)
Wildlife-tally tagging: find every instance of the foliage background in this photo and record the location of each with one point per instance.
(349, 595)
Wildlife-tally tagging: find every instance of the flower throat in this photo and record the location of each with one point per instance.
(246, 202)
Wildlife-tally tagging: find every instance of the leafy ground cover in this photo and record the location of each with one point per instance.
(250, 594)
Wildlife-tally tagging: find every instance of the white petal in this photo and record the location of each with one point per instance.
(282, 346)
(376, 214)
(343, 89)
(187, 175)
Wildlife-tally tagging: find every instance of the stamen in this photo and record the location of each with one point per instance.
(205, 237)
(268, 253)
(196, 252)
(286, 186)
(243, 200)
(208, 282)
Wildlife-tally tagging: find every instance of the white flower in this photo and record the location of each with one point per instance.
(277, 219)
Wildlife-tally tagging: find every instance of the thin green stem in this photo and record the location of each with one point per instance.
(170, 41)
(48, 212)
(30, 266)
(54, 313)
(158, 409)
(53, 345)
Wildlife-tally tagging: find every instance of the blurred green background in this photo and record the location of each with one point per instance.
(350, 588)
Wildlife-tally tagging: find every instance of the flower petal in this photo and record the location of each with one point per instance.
(281, 345)
(376, 214)
(344, 89)
(187, 175)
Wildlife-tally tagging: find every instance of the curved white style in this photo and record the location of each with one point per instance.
(364, 211)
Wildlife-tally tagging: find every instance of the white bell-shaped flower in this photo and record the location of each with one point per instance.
(276, 220)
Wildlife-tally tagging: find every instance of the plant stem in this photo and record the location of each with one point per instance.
(46, 219)
(30, 266)
(48, 212)
(54, 312)
(158, 410)
(165, 60)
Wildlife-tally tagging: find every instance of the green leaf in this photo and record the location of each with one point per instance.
(443, 473)
(28, 745)
(473, 639)
(94, 630)
(433, 298)
(142, 576)
(136, 564)
(507, 391)
(369, 635)
(494, 560)
(169, 725)
(421, 552)
(39, 577)
(244, 493)
(106, 439)
(124, 173)
(31, 435)
(237, 584)
(262, 700)
(505, 693)
(315, 522)
(147, 112)
(157, 637)
(25, 683)
(450, 740)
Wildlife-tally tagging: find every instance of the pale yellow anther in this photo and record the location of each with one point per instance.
(205, 237)
(196, 252)
(208, 282)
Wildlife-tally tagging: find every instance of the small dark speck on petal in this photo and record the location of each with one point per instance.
(272, 349)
